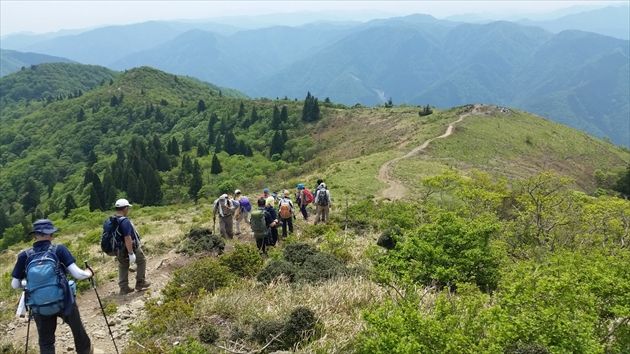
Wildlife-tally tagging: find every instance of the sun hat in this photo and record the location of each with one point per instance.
(238, 191)
(121, 203)
(266, 190)
(44, 227)
(286, 193)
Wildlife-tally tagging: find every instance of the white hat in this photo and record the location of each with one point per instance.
(238, 191)
(121, 203)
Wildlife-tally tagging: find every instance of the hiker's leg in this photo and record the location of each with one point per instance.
(228, 227)
(290, 221)
(325, 210)
(222, 226)
(260, 243)
(317, 214)
(82, 342)
(284, 227)
(304, 212)
(46, 326)
(237, 222)
(248, 217)
(123, 268)
(141, 270)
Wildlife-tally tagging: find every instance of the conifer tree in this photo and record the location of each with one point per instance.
(4, 222)
(173, 147)
(284, 115)
(195, 182)
(230, 145)
(202, 150)
(187, 142)
(241, 111)
(81, 115)
(218, 144)
(31, 196)
(275, 120)
(109, 190)
(216, 168)
(201, 106)
(91, 158)
(94, 202)
(68, 205)
(211, 133)
(277, 145)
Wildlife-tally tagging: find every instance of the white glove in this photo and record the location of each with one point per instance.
(132, 259)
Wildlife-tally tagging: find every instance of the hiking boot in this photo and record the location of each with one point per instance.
(143, 286)
(125, 291)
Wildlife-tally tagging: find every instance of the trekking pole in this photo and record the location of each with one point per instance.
(28, 331)
(101, 305)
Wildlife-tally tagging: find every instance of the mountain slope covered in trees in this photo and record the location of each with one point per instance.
(12, 60)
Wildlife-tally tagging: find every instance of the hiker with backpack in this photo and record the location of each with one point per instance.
(261, 223)
(129, 250)
(273, 227)
(286, 213)
(242, 210)
(303, 197)
(322, 204)
(224, 207)
(48, 294)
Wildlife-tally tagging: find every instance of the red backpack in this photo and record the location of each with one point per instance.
(308, 196)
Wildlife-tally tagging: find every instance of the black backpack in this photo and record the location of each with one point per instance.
(111, 239)
(322, 197)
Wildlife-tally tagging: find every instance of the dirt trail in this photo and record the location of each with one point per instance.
(396, 190)
(129, 308)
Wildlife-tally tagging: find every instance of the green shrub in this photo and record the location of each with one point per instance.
(169, 317)
(208, 333)
(264, 331)
(275, 269)
(205, 274)
(200, 240)
(298, 253)
(244, 261)
(388, 238)
(319, 267)
(448, 251)
(526, 348)
(190, 346)
(300, 327)
(237, 334)
(336, 244)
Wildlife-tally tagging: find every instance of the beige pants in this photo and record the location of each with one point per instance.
(321, 214)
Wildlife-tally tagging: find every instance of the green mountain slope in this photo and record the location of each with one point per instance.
(12, 60)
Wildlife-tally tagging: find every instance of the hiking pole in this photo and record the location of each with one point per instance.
(28, 330)
(101, 305)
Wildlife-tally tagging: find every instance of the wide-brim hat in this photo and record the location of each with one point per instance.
(44, 227)
(121, 203)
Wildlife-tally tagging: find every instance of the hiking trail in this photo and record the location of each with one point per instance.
(396, 190)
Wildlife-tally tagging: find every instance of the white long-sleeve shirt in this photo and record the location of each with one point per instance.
(73, 269)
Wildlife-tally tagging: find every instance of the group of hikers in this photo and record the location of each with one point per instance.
(272, 210)
(41, 271)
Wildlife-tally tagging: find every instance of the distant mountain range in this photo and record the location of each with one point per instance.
(575, 77)
(12, 60)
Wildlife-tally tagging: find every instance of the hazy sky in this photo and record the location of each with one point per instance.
(49, 16)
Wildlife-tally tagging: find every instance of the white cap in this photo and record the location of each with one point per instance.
(121, 203)
(238, 191)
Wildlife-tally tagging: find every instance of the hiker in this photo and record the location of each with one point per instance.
(273, 227)
(261, 222)
(317, 187)
(44, 266)
(130, 252)
(266, 194)
(322, 204)
(225, 208)
(242, 208)
(303, 197)
(286, 213)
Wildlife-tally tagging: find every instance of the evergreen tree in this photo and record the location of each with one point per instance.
(81, 115)
(92, 178)
(4, 222)
(109, 190)
(216, 168)
(211, 133)
(94, 202)
(195, 182)
(173, 147)
(152, 186)
(241, 111)
(69, 205)
(91, 158)
(275, 120)
(310, 111)
(202, 150)
(284, 115)
(623, 184)
(186, 164)
(201, 106)
(113, 101)
(163, 162)
(285, 138)
(230, 144)
(31, 196)
(253, 118)
(218, 144)
(277, 145)
(187, 142)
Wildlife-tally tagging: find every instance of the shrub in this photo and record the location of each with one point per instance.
(170, 317)
(208, 333)
(319, 267)
(190, 346)
(526, 348)
(388, 238)
(237, 334)
(300, 327)
(205, 274)
(275, 269)
(200, 240)
(264, 331)
(298, 253)
(244, 261)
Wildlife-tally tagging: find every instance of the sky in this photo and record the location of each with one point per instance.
(50, 16)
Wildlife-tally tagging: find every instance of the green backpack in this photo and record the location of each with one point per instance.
(259, 227)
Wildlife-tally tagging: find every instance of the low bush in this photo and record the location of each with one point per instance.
(298, 253)
(190, 346)
(319, 267)
(389, 237)
(276, 269)
(168, 317)
(244, 261)
(286, 334)
(205, 274)
(200, 240)
(208, 333)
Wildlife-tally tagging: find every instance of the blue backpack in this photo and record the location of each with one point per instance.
(46, 282)
(111, 240)
(245, 204)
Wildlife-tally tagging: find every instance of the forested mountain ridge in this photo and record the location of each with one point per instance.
(12, 60)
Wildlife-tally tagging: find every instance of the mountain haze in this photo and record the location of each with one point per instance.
(12, 60)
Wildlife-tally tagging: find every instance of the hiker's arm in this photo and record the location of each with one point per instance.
(78, 273)
(128, 244)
